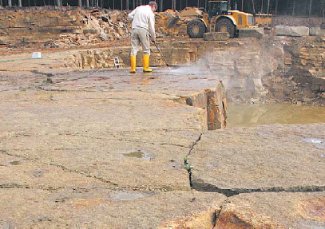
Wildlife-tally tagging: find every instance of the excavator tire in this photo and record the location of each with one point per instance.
(196, 28)
(226, 25)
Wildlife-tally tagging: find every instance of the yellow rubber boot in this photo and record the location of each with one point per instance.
(145, 61)
(133, 63)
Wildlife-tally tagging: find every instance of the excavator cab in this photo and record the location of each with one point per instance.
(216, 8)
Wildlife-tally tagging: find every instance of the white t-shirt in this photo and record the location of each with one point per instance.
(143, 17)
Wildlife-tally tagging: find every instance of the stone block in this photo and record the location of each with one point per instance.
(56, 30)
(3, 32)
(90, 31)
(2, 42)
(316, 31)
(216, 36)
(291, 31)
(251, 32)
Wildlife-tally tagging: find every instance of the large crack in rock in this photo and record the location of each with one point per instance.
(187, 165)
(203, 187)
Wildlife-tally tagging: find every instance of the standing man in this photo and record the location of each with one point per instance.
(143, 29)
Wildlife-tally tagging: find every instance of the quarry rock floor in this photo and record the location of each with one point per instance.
(106, 149)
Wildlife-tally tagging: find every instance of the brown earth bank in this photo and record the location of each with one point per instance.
(85, 144)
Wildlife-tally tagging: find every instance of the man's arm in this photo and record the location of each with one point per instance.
(152, 27)
(131, 15)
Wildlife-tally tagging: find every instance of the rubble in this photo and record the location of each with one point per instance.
(63, 28)
(191, 12)
(173, 23)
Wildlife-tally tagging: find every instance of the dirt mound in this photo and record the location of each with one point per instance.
(45, 27)
(61, 28)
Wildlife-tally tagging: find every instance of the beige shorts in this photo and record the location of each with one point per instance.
(139, 37)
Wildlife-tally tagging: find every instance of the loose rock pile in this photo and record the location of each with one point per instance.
(174, 23)
(98, 26)
(61, 28)
(66, 28)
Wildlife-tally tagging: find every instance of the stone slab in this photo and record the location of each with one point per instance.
(216, 36)
(278, 157)
(251, 32)
(316, 31)
(19, 172)
(102, 208)
(142, 147)
(291, 31)
(273, 210)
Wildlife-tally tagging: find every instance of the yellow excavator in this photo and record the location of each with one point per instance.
(219, 18)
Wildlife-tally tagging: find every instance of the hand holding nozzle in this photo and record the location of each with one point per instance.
(152, 38)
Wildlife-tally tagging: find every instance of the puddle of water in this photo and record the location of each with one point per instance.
(249, 115)
(138, 154)
(314, 140)
(318, 143)
(308, 224)
(15, 162)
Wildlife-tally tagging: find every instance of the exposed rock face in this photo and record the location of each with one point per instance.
(301, 77)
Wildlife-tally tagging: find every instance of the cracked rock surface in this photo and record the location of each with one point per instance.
(74, 155)
(107, 150)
